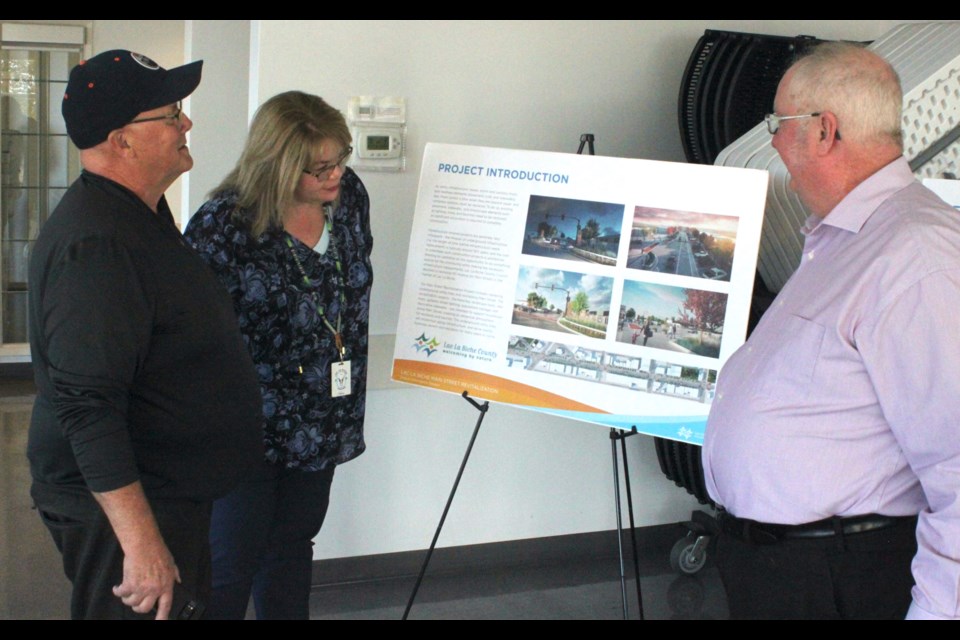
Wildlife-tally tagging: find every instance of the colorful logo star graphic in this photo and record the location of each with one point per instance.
(426, 345)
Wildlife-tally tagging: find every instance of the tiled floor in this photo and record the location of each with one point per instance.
(570, 591)
(32, 585)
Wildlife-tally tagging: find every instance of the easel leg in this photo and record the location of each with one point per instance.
(633, 526)
(615, 435)
(482, 408)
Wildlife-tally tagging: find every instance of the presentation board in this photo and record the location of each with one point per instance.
(605, 290)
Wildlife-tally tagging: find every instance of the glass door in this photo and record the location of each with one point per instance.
(37, 164)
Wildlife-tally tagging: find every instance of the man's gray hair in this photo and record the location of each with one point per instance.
(857, 85)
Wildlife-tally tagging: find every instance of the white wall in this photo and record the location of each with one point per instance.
(530, 475)
(219, 105)
(527, 85)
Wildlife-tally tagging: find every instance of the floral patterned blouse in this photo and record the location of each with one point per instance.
(293, 349)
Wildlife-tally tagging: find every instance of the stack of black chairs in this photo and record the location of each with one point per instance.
(728, 86)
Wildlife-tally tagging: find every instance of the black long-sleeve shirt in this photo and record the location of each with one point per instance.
(141, 372)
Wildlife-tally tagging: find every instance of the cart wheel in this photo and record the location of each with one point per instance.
(687, 556)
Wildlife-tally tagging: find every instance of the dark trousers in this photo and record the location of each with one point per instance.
(93, 558)
(853, 577)
(261, 539)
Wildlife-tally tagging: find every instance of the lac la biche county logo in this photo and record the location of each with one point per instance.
(426, 345)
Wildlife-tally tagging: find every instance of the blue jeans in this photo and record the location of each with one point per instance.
(261, 543)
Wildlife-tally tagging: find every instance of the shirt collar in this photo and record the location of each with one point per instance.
(163, 209)
(855, 209)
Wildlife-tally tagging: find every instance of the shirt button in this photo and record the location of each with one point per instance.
(810, 256)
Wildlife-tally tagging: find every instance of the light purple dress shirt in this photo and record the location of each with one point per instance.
(846, 398)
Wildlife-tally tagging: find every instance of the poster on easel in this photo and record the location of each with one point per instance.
(605, 290)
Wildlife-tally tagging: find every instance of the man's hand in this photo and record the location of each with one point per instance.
(148, 578)
(149, 570)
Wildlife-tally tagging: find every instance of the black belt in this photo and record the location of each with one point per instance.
(768, 533)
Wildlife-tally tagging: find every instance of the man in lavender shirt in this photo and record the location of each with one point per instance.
(833, 444)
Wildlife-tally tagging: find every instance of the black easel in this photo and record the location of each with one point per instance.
(616, 434)
(482, 408)
(586, 139)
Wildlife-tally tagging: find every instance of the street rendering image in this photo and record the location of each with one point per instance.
(683, 243)
(577, 230)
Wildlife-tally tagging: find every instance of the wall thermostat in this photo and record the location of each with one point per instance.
(375, 142)
(378, 126)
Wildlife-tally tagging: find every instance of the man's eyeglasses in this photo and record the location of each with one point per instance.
(773, 120)
(173, 117)
(324, 172)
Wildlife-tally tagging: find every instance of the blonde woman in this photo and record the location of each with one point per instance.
(288, 233)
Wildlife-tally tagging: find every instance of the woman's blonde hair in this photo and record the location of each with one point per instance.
(286, 132)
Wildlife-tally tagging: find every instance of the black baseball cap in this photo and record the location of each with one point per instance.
(111, 88)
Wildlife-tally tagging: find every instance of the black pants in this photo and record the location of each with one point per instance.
(93, 558)
(852, 577)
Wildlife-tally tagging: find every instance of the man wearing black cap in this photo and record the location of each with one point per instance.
(147, 405)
